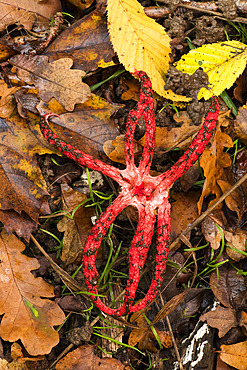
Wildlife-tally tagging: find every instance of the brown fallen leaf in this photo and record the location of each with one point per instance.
(221, 318)
(132, 89)
(23, 186)
(166, 139)
(7, 100)
(183, 212)
(114, 149)
(222, 365)
(83, 358)
(240, 90)
(88, 127)
(20, 362)
(235, 201)
(236, 243)
(81, 5)
(6, 51)
(190, 177)
(21, 224)
(241, 162)
(76, 230)
(240, 124)
(144, 338)
(86, 42)
(25, 12)
(215, 226)
(235, 355)
(179, 137)
(213, 161)
(211, 229)
(53, 80)
(26, 316)
(243, 320)
(229, 287)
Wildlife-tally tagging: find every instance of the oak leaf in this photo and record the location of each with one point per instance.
(26, 316)
(222, 61)
(53, 80)
(25, 12)
(140, 43)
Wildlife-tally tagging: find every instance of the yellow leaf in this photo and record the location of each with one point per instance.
(222, 61)
(140, 43)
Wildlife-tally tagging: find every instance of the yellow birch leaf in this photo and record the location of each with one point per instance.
(140, 43)
(222, 61)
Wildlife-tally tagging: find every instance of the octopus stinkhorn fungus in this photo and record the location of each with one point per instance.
(148, 194)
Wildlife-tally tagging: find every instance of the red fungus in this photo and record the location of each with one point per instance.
(148, 194)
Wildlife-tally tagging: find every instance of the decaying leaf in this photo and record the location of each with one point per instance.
(83, 358)
(81, 4)
(236, 243)
(166, 139)
(222, 61)
(5, 50)
(86, 42)
(183, 212)
(144, 337)
(53, 80)
(241, 161)
(26, 316)
(235, 355)
(19, 361)
(23, 186)
(25, 12)
(229, 287)
(76, 230)
(213, 161)
(7, 100)
(212, 231)
(240, 126)
(114, 149)
(132, 89)
(141, 43)
(89, 126)
(221, 318)
(20, 223)
(179, 137)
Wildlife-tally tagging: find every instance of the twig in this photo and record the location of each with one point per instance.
(174, 343)
(204, 7)
(66, 278)
(212, 5)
